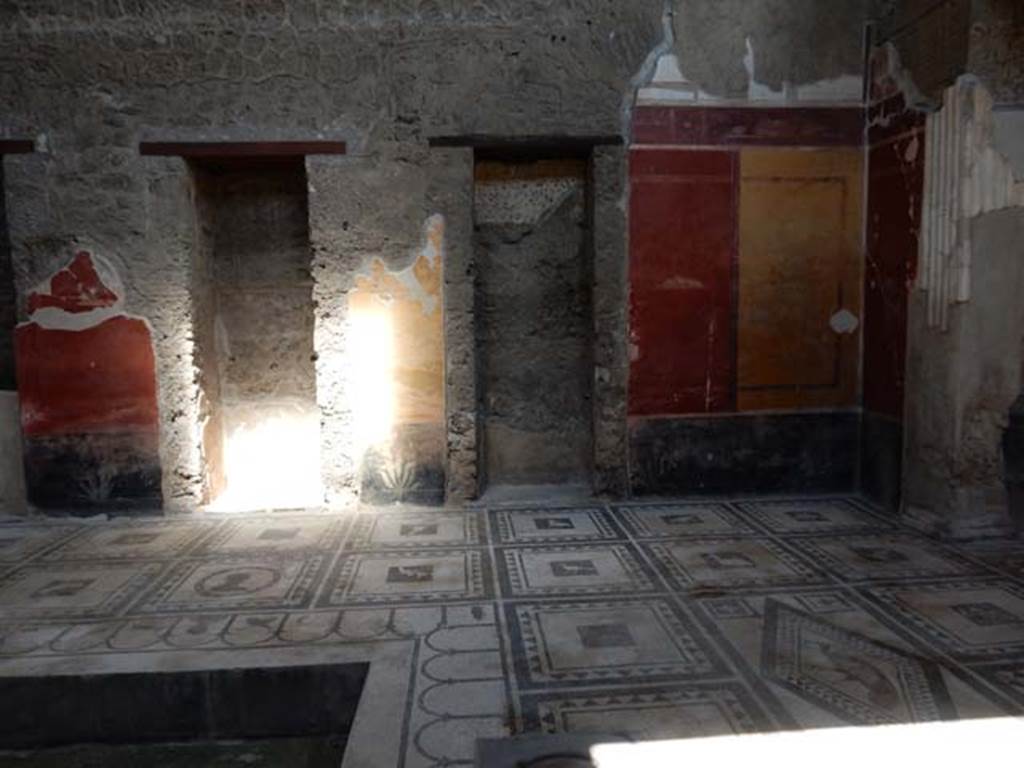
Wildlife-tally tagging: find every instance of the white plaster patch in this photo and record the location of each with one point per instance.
(431, 249)
(525, 202)
(844, 321)
(758, 91)
(670, 86)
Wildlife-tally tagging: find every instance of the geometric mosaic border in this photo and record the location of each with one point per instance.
(515, 579)
(696, 657)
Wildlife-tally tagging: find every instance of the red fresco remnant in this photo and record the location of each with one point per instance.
(100, 378)
(76, 288)
(895, 191)
(682, 259)
(93, 380)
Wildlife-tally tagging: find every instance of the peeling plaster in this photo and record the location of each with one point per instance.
(54, 318)
(669, 85)
(431, 251)
(647, 71)
(844, 321)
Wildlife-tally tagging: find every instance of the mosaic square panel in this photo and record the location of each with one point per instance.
(730, 562)
(810, 516)
(553, 524)
(20, 542)
(277, 534)
(1006, 557)
(414, 530)
(73, 590)
(678, 520)
(825, 602)
(648, 714)
(588, 642)
(854, 677)
(971, 620)
(730, 608)
(577, 569)
(861, 558)
(404, 577)
(148, 540)
(1008, 678)
(233, 583)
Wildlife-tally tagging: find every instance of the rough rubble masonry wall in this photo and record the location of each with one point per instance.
(91, 81)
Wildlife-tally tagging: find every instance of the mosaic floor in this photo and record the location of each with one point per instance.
(645, 620)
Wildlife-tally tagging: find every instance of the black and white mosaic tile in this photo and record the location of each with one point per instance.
(727, 562)
(415, 530)
(810, 516)
(862, 558)
(649, 713)
(235, 583)
(137, 540)
(858, 679)
(73, 590)
(417, 576)
(281, 535)
(651, 620)
(580, 569)
(596, 641)
(653, 521)
(970, 620)
(556, 525)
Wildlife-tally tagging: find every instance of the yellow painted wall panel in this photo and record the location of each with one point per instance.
(800, 257)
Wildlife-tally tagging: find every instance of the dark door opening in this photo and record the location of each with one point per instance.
(534, 323)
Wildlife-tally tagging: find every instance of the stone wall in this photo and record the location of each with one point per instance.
(996, 53)
(91, 81)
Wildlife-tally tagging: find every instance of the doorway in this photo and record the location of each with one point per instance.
(534, 322)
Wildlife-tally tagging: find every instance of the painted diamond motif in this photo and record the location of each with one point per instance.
(853, 677)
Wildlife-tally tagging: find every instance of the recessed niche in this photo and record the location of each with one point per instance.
(534, 325)
(254, 333)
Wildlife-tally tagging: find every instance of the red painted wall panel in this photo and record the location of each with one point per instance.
(682, 264)
(94, 380)
(895, 189)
